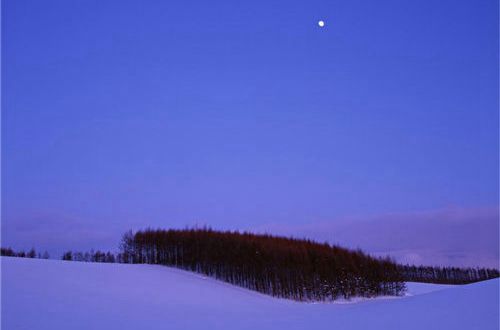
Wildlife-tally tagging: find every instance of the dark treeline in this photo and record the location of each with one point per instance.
(8, 252)
(446, 275)
(91, 256)
(282, 267)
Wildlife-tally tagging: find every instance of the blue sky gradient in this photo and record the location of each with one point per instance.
(127, 114)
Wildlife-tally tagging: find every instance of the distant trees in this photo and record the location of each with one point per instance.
(8, 252)
(282, 267)
(67, 256)
(92, 256)
(31, 253)
(446, 275)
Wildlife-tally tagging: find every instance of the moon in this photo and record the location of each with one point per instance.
(321, 23)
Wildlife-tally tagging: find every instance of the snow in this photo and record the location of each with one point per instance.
(52, 294)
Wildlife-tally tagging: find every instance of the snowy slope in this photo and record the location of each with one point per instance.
(51, 294)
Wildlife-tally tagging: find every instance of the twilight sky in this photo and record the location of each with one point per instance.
(247, 115)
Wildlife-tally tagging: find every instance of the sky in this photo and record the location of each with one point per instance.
(247, 115)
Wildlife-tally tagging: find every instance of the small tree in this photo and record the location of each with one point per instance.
(127, 246)
(8, 252)
(110, 257)
(78, 256)
(67, 256)
(31, 253)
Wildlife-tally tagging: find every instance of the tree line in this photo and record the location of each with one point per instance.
(8, 252)
(446, 275)
(291, 268)
(90, 256)
(282, 267)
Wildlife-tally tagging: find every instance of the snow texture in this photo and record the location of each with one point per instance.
(52, 294)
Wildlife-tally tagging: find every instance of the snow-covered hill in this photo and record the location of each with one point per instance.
(51, 294)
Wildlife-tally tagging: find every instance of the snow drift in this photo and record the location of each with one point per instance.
(52, 294)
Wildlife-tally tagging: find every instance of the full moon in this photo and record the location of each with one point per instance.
(321, 23)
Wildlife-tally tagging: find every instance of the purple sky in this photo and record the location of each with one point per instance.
(374, 131)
